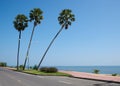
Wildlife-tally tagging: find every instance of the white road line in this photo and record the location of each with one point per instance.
(19, 80)
(65, 82)
(40, 77)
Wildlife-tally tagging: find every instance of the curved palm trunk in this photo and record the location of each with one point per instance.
(29, 47)
(49, 46)
(18, 50)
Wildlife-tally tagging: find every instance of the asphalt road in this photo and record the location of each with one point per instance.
(12, 78)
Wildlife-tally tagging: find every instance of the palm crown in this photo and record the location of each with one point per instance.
(66, 18)
(20, 22)
(36, 16)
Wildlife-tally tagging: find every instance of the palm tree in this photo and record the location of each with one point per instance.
(65, 19)
(20, 23)
(35, 16)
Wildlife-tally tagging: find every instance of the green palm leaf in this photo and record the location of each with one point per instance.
(36, 16)
(66, 18)
(20, 22)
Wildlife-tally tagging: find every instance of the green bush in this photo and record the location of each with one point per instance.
(31, 67)
(49, 69)
(35, 67)
(53, 70)
(3, 64)
(115, 74)
(44, 69)
(96, 71)
(21, 67)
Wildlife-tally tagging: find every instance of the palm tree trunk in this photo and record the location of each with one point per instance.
(18, 50)
(49, 47)
(29, 47)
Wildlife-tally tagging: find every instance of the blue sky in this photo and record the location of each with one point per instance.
(93, 39)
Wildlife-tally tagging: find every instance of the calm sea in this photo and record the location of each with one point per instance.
(90, 69)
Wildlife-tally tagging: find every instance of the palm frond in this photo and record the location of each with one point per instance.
(66, 18)
(36, 15)
(20, 22)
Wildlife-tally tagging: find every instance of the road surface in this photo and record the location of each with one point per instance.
(12, 78)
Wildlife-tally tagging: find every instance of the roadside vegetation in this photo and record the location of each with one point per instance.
(21, 21)
(3, 64)
(114, 74)
(96, 71)
(36, 72)
(43, 71)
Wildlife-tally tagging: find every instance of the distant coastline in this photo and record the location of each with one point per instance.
(90, 69)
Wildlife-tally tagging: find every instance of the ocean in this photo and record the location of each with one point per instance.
(90, 69)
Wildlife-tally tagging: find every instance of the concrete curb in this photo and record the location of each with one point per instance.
(96, 77)
(108, 81)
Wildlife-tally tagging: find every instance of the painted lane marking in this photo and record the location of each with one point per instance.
(40, 77)
(19, 80)
(65, 82)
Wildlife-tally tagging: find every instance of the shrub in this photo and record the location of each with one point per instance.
(21, 67)
(3, 64)
(96, 71)
(44, 69)
(114, 74)
(49, 69)
(31, 67)
(35, 67)
(53, 70)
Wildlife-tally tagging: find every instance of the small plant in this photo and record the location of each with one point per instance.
(21, 67)
(3, 64)
(31, 67)
(35, 67)
(96, 71)
(114, 74)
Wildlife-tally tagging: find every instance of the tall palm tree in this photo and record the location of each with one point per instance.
(65, 19)
(20, 23)
(35, 16)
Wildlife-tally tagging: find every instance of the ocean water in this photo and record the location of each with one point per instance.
(90, 69)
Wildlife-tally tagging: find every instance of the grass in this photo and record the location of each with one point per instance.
(35, 72)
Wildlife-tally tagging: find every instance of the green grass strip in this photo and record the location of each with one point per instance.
(35, 72)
